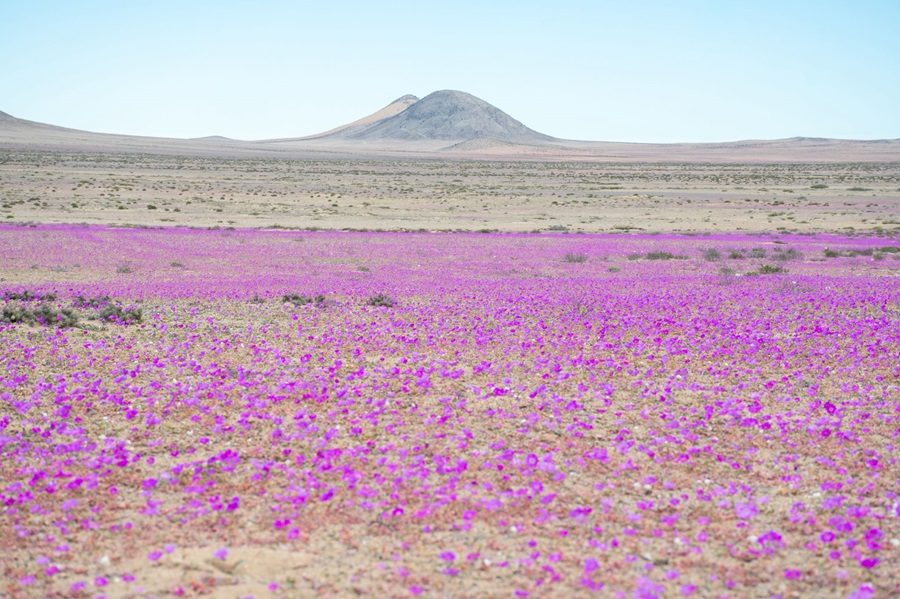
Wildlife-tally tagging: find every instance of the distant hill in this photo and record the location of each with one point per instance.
(448, 125)
(445, 115)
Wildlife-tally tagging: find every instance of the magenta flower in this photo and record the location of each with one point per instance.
(745, 510)
(869, 562)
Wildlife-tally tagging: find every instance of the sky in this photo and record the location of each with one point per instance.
(641, 71)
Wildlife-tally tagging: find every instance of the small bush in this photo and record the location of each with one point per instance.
(381, 300)
(27, 296)
(735, 255)
(634, 256)
(712, 255)
(818, 186)
(768, 269)
(124, 269)
(302, 300)
(115, 313)
(16, 315)
(44, 315)
(94, 302)
(788, 254)
(575, 257)
(614, 269)
(758, 253)
(176, 264)
(664, 256)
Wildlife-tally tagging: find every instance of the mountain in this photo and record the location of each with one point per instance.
(445, 115)
(446, 124)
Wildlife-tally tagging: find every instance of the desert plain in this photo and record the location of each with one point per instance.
(448, 195)
(493, 370)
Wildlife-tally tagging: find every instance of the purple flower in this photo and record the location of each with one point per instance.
(745, 510)
(869, 562)
(221, 553)
(448, 556)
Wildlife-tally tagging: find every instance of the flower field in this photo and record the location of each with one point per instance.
(286, 413)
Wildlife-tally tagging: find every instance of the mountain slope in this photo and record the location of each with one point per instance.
(394, 108)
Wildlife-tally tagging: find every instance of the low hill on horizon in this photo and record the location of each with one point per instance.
(446, 124)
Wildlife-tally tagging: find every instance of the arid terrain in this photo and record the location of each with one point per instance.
(434, 352)
(436, 195)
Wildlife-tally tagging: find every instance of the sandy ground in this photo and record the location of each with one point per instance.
(143, 190)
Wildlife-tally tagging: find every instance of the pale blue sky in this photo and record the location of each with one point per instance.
(617, 71)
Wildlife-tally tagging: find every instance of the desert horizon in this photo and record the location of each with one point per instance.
(447, 125)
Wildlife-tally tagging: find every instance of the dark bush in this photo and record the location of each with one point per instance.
(115, 313)
(380, 300)
(302, 300)
(788, 254)
(768, 269)
(27, 296)
(44, 314)
(712, 255)
(575, 257)
(664, 256)
(16, 315)
(94, 302)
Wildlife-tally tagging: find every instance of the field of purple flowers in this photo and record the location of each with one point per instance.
(395, 414)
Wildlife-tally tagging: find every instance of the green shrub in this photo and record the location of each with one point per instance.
(768, 269)
(575, 257)
(115, 313)
(302, 300)
(44, 315)
(785, 255)
(664, 256)
(380, 300)
(711, 255)
(27, 296)
(94, 302)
